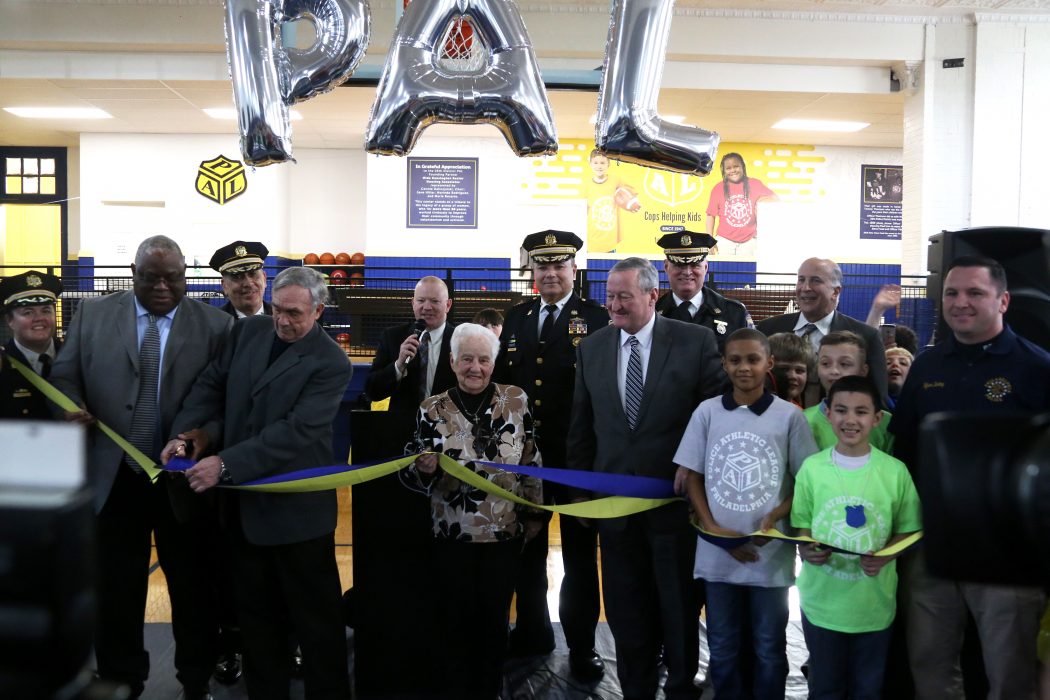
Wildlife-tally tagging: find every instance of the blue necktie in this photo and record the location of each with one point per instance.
(144, 421)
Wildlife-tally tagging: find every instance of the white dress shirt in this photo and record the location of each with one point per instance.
(33, 358)
(543, 311)
(823, 328)
(694, 303)
(645, 347)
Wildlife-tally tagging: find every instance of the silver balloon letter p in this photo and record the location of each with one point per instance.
(267, 77)
(628, 127)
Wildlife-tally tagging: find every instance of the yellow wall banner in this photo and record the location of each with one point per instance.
(630, 206)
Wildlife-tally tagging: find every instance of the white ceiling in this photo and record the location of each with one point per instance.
(338, 119)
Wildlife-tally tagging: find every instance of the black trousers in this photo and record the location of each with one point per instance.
(135, 510)
(474, 582)
(578, 601)
(291, 589)
(647, 574)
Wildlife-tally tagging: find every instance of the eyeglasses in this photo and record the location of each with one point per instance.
(152, 280)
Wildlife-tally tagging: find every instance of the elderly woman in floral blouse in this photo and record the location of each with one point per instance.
(478, 536)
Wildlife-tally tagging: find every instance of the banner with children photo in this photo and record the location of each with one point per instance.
(630, 206)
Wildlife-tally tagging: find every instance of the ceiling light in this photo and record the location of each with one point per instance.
(819, 125)
(231, 113)
(59, 112)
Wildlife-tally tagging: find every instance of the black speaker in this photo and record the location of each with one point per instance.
(1023, 252)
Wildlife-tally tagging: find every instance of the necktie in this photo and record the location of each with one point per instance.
(424, 361)
(548, 323)
(144, 420)
(45, 366)
(685, 311)
(806, 330)
(633, 388)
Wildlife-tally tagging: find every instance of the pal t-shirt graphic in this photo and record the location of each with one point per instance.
(743, 476)
(830, 523)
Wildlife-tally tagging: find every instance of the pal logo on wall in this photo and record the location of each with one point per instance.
(221, 179)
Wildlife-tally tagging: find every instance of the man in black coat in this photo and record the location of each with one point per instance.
(243, 278)
(397, 372)
(268, 402)
(29, 302)
(690, 300)
(817, 295)
(538, 354)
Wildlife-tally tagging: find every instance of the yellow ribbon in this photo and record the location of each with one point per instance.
(893, 549)
(65, 403)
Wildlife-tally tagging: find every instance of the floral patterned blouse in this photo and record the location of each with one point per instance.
(502, 432)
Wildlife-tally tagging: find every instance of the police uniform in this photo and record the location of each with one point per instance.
(721, 315)
(237, 258)
(547, 373)
(19, 398)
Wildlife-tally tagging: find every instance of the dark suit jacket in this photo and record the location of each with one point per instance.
(720, 314)
(547, 375)
(684, 369)
(228, 308)
(272, 420)
(876, 358)
(18, 398)
(98, 369)
(404, 395)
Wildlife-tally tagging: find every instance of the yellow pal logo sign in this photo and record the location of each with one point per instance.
(221, 179)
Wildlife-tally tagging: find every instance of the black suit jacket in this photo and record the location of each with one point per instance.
(228, 308)
(19, 398)
(272, 419)
(876, 357)
(720, 314)
(547, 374)
(382, 381)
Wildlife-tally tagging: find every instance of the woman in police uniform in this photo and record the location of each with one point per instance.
(29, 308)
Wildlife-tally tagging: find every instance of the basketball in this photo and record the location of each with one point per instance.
(357, 259)
(311, 259)
(327, 259)
(357, 279)
(342, 259)
(342, 338)
(460, 40)
(338, 276)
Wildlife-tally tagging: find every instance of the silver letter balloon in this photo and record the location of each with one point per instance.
(628, 128)
(416, 90)
(267, 77)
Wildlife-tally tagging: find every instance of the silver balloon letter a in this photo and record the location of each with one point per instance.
(267, 77)
(628, 127)
(416, 90)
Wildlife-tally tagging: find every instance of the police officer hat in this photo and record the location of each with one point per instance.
(238, 257)
(29, 289)
(686, 247)
(551, 246)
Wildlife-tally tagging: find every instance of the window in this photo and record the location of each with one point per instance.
(30, 176)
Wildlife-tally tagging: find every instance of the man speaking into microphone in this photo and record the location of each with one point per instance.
(413, 359)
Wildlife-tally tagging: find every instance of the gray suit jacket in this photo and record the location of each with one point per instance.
(876, 359)
(272, 420)
(98, 368)
(684, 369)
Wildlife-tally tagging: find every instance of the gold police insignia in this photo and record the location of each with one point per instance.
(577, 340)
(551, 239)
(687, 240)
(221, 179)
(997, 388)
(34, 280)
(240, 251)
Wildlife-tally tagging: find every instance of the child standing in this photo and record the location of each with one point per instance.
(842, 354)
(742, 450)
(856, 497)
(793, 362)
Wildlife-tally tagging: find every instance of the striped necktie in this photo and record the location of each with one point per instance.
(633, 388)
(424, 362)
(144, 421)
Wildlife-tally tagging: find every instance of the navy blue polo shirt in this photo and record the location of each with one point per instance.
(1006, 374)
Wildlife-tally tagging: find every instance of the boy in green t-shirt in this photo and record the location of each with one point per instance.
(857, 498)
(842, 354)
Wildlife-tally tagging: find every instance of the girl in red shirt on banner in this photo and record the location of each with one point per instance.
(735, 204)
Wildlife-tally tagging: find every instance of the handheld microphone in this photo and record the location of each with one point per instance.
(417, 330)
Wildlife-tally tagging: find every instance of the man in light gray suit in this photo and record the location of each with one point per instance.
(637, 383)
(267, 403)
(114, 343)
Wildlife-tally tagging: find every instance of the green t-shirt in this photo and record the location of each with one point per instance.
(838, 595)
(824, 434)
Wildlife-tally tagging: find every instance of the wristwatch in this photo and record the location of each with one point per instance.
(224, 474)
